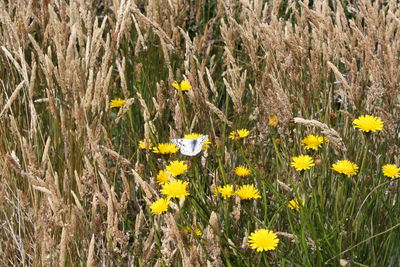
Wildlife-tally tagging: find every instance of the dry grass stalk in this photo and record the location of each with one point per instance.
(330, 133)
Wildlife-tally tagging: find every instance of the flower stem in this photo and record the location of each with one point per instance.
(364, 154)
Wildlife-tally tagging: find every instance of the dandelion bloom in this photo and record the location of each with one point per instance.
(226, 191)
(196, 231)
(345, 167)
(368, 123)
(263, 239)
(312, 142)
(184, 86)
(248, 192)
(206, 144)
(160, 206)
(175, 188)
(239, 134)
(116, 103)
(162, 177)
(273, 121)
(295, 204)
(242, 171)
(145, 144)
(165, 148)
(176, 168)
(391, 171)
(302, 162)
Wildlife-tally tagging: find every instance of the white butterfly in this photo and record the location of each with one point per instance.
(190, 147)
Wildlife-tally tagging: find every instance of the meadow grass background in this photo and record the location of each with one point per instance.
(75, 188)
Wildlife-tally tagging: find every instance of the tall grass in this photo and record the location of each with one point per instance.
(76, 189)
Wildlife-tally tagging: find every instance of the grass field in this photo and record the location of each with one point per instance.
(92, 92)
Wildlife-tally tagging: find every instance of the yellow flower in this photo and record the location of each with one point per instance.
(295, 204)
(239, 134)
(175, 188)
(248, 192)
(162, 177)
(160, 206)
(391, 171)
(273, 121)
(206, 144)
(345, 167)
(116, 103)
(145, 144)
(196, 231)
(176, 168)
(184, 86)
(242, 171)
(302, 162)
(263, 239)
(165, 148)
(368, 123)
(226, 191)
(312, 142)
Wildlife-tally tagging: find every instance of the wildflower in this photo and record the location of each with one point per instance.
(263, 239)
(368, 123)
(239, 134)
(196, 231)
(312, 142)
(184, 86)
(302, 162)
(116, 103)
(160, 206)
(165, 148)
(345, 167)
(226, 191)
(242, 171)
(176, 168)
(162, 177)
(248, 192)
(391, 171)
(145, 144)
(295, 204)
(273, 121)
(175, 188)
(195, 136)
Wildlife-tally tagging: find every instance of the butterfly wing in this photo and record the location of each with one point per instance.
(190, 147)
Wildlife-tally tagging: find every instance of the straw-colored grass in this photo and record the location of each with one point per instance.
(76, 189)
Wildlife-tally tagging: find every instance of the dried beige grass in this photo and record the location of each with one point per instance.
(330, 133)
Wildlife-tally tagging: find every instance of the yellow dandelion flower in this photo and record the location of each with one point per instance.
(206, 144)
(175, 188)
(273, 121)
(162, 177)
(295, 204)
(176, 168)
(312, 142)
(226, 191)
(242, 171)
(145, 144)
(345, 167)
(391, 171)
(248, 192)
(263, 239)
(160, 206)
(184, 86)
(368, 123)
(116, 103)
(239, 134)
(196, 231)
(302, 162)
(165, 148)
